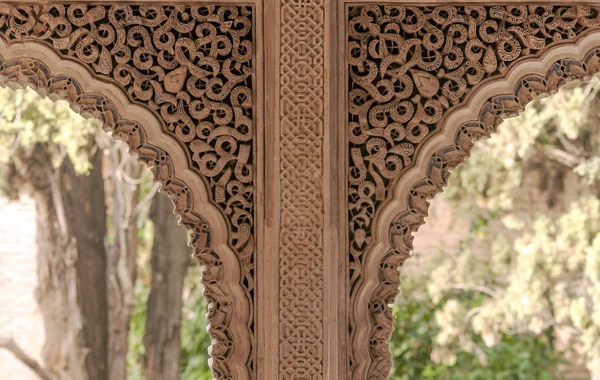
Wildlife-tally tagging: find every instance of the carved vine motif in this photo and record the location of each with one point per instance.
(491, 115)
(35, 74)
(191, 66)
(409, 66)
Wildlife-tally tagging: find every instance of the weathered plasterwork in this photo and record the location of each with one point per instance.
(411, 70)
(190, 68)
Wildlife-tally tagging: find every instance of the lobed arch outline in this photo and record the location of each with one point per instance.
(408, 202)
(36, 65)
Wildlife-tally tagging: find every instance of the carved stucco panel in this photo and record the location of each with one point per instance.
(410, 69)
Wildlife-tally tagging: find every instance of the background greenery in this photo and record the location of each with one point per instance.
(528, 272)
(522, 280)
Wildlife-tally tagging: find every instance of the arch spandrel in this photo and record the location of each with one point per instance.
(485, 100)
(110, 63)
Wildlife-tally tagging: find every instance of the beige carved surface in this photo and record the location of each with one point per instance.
(405, 71)
(409, 69)
(190, 66)
(301, 151)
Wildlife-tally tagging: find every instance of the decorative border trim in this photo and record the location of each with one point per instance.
(35, 65)
(405, 212)
(301, 235)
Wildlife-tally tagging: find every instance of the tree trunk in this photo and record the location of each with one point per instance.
(71, 226)
(169, 261)
(123, 188)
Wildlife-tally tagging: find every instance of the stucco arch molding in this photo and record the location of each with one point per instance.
(36, 65)
(404, 210)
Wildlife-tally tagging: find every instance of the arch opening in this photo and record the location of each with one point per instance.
(499, 253)
(375, 278)
(33, 65)
(91, 257)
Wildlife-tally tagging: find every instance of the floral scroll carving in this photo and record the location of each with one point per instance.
(190, 66)
(409, 69)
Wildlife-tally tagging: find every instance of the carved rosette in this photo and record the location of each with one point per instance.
(409, 68)
(191, 66)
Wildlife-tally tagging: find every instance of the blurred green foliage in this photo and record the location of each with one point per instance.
(27, 119)
(194, 337)
(417, 338)
(136, 331)
(525, 274)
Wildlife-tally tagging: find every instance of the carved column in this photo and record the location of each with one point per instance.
(298, 135)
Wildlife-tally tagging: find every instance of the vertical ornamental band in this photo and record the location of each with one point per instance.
(301, 104)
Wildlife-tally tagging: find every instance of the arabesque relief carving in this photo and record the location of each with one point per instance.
(191, 66)
(409, 68)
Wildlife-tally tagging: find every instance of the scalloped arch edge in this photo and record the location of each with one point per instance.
(385, 257)
(142, 132)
